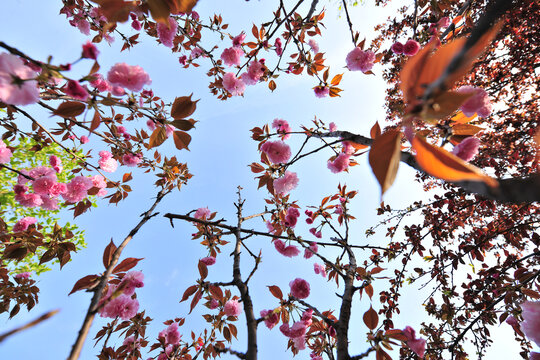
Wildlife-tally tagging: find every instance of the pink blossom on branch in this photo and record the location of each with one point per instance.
(132, 280)
(239, 39)
(271, 318)
(24, 223)
(411, 48)
(167, 32)
(418, 346)
(321, 91)
(299, 288)
(340, 163)
(479, 103)
(319, 269)
(208, 261)
(288, 251)
(467, 148)
(232, 56)
(76, 90)
(233, 85)
(5, 153)
(202, 213)
(77, 189)
(312, 249)
(89, 51)
(232, 308)
(131, 159)
(17, 86)
(282, 127)
(122, 306)
(106, 162)
(359, 59)
(397, 48)
(531, 320)
(286, 183)
(131, 77)
(171, 335)
(277, 151)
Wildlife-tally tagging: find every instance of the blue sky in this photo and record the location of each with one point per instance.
(220, 152)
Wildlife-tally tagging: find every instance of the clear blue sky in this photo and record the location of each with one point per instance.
(220, 152)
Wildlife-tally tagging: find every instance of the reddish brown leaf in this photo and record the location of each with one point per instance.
(384, 158)
(216, 292)
(462, 119)
(382, 355)
(465, 129)
(375, 131)
(96, 120)
(182, 124)
(70, 109)
(116, 10)
(158, 137)
(189, 291)
(126, 177)
(256, 168)
(443, 105)
(203, 270)
(276, 291)
(195, 300)
(336, 80)
(181, 140)
(126, 264)
(371, 319)
(183, 107)
(86, 282)
(396, 334)
(369, 290)
(445, 165)
(108, 254)
(272, 85)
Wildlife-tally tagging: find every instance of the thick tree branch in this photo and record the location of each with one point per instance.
(94, 303)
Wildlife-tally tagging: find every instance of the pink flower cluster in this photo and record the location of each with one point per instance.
(271, 318)
(299, 288)
(314, 232)
(99, 182)
(313, 45)
(286, 183)
(282, 127)
(131, 77)
(24, 223)
(478, 103)
(319, 269)
(23, 275)
(418, 346)
(232, 308)
(77, 189)
(89, 51)
(17, 86)
(171, 335)
(531, 320)
(359, 59)
(5, 153)
(231, 56)
(467, 148)
(233, 84)
(410, 48)
(340, 163)
(208, 261)
(288, 251)
(167, 32)
(255, 72)
(202, 213)
(106, 162)
(74, 89)
(119, 300)
(297, 332)
(321, 91)
(277, 151)
(130, 159)
(291, 218)
(311, 250)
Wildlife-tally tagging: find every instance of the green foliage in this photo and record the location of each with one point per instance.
(26, 157)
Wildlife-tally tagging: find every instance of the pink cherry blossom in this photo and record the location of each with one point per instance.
(202, 213)
(171, 335)
(132, 343)
(44, 185)
(299, 342)
(467, 148)
(49, 203)
(100, 83)
(196, 52)
(254, 73)
(397, 48)
(312, 249)
(23, 275)
(277, 151)
(286, 183)
(348, 148)
(29, 200)
(313, 45)
(239, 39)
(271, 318)
(39, 171)
(89, 51)
(167, 32)
(297, 330)
(444, 22)
(16, 84)
(132, 280)
(136, 25)
(332, 127)
(5, 153)
(418, 346)
(55, 163)
(232, 56)
(106, 162)
(131, 77)
(340, 163)
(118, 91)
(479, 103)
(122, 306)
(131, 159)
(214, 304)
(359, 59)
(232, 308)
(278, 47)
(233, 85)
(282, 127)
(531, 320)
(321, 91)
(411, 48)
(77, 189)
(299, 288)
(208, 261)
(24, 223)
(76, 91)
(319, 269)
(288, 251)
